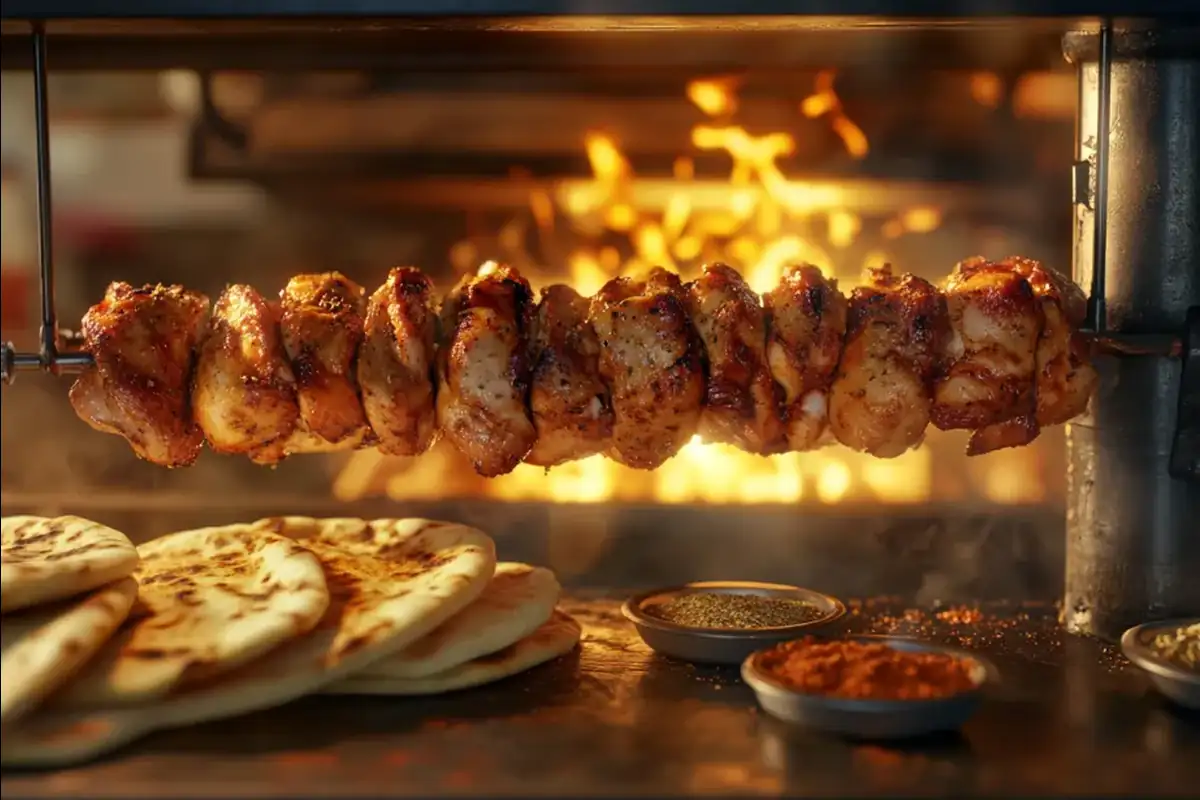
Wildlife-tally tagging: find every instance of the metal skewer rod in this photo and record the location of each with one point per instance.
(49, 331)
(52, 360)
(48, 357)
(1097, 311)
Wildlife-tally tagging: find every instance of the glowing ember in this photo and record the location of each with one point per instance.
(759, 221)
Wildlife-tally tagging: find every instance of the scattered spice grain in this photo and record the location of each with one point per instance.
(864, 671)
(960, 616)
(733, 611)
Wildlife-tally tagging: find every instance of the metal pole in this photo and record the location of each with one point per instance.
(1097, 316)
(1132, 549)
(49, 331)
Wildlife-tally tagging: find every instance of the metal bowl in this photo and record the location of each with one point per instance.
(873, 719)
(1175, 682)
(723, 645)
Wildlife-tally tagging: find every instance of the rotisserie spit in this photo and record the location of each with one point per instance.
(634, 372)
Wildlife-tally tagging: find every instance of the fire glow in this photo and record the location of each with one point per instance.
(751, 222)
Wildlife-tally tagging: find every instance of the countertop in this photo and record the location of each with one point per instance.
(1069, 717)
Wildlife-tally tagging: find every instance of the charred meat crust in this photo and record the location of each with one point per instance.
(1064, 376)
(997, 321)
(321, 324)
(652, 359)
(880, 398)
(485, 369)
(397, 364)
(633, 372)
(806, 327)
(244, 391)
(742, 400)
(915, 305)
(143, 345)
(570, 403)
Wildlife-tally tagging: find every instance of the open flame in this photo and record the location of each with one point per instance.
(759, 221)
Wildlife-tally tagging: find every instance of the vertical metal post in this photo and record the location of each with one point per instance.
(48, 351)
(1132, 549)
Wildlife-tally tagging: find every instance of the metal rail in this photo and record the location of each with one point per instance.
(51, 359)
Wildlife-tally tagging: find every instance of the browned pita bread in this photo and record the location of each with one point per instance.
(557, 637)
(44, 647)
(43, 559)
(517, 601)
(392, 581)
(209, 601)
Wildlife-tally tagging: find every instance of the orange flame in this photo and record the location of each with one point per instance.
(714, 96)
(757, 223)
(824, 101)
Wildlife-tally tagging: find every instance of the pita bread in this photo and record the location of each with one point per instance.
(43, 647)
(556, 637)
(514, 605)
(392, 581)
(209, 601)
(45, 559)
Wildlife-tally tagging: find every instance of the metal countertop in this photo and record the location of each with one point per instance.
(1070, 717)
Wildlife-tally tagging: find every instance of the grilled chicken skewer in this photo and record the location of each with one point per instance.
(244, 389)
(1066, 378)
(896, 331)
(570, 403)
(396, 363)
(742, 400)
(634, 373)
(143, 345)
(989, 373)
(807, 325)
(321, 324)
(484, 369)
(653, 361)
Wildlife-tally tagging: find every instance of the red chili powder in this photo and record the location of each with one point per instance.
(865, 671)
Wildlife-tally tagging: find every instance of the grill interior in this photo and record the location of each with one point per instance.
(576, 149)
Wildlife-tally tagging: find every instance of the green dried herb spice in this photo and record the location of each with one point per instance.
(745, 611)
(1181, 646)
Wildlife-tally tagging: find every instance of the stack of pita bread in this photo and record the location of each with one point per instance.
(104, 642)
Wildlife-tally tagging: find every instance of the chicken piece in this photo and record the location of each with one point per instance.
(652, 360)
(484, 370)
(807, 322)
(989, 371)
(1066, 379)
(321, 324)
(741, 400)
(244, 392)
(143, 343)
(882, 392)
(571, 408)
(396, 363)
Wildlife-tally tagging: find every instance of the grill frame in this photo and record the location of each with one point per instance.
(1158, 360)
(918, 9)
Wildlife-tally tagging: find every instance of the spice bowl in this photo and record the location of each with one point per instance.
(1175, 681)
(877, 719)
(725, 645)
